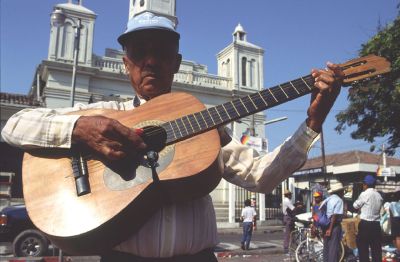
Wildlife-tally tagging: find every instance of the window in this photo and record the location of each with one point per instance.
(252, 72)
(67, 48)
(244, 65)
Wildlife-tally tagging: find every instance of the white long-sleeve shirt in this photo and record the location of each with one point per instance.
(177, 229)
(286, 203)
(370, 202)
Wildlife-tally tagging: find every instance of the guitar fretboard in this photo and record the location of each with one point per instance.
(214, 117)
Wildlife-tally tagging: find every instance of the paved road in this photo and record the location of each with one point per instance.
(266, 245)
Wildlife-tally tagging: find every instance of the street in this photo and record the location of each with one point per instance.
(266, 245)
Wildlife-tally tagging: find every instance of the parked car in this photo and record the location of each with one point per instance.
(16, 227)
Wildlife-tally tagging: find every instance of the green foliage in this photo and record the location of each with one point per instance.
(375, 107)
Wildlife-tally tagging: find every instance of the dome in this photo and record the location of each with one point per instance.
(239, 28)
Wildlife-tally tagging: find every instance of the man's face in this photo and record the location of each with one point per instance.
(340, 193)
(151, 60)
(318, 199)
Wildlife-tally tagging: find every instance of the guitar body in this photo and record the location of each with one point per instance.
(97, 221)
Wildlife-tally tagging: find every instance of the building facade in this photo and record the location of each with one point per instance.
(102, 77)
(349, 168)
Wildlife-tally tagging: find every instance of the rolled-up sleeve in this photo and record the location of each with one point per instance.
(243, 167)
(45, 127)
(31, 128)
(359, 202)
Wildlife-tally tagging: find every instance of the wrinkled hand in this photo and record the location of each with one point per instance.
(108, 138)
(328, 82)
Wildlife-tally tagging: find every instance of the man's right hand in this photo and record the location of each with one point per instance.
(108, 137)
(328, 232)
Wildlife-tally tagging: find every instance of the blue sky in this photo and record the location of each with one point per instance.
(296, 36)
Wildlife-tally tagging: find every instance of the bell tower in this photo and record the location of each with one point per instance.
(243, 62)
(61, 46)
(165, 8)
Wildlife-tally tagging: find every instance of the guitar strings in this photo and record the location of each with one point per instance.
(269, 94)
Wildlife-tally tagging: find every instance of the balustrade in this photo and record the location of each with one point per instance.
(191, 78)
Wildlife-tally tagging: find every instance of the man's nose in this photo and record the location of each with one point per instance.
(151, 58)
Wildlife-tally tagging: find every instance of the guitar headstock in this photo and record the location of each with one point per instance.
(366, 67)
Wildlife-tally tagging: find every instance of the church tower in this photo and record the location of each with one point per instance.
(165, 8)
(61, 47)
(243, 62)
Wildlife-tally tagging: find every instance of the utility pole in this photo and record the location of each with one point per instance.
(384, 159)
(253, 126)
(323, 157)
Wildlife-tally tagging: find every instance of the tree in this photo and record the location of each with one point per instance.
(375, 106)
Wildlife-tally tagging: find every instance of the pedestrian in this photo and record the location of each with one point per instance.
(369, 234)
(248, 217)
(184, 230)
(289, 213)
(334, 212)
(394, 209)
(315, 206)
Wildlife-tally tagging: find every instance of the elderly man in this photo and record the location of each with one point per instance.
(369, 230)
(186, 230)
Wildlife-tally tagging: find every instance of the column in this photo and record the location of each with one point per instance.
(231, 203)
(261, 200)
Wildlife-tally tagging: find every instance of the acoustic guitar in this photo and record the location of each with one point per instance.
(86, 205)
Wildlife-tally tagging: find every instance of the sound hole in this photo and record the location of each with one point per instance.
(125, 177)
(155, 137)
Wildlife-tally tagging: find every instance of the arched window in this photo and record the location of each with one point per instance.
(228, 68)
(241, 36)
(244, 65)
(67, 47)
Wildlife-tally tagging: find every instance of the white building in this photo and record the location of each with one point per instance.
(102, 77)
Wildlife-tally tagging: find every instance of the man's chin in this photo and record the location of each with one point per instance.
(151, 95)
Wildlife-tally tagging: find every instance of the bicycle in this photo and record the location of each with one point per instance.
(298, 235)
(312, 248)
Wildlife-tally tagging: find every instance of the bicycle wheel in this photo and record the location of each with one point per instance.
(310, 250)
(294, 240)
(342, 252)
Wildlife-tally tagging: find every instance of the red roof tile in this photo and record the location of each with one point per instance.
(18, 99)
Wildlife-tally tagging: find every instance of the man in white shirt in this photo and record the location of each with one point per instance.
(369, 230)
(248, 217)
(289, 212)
(183, 231)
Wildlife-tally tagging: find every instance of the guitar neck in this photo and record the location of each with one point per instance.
(214, 117)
